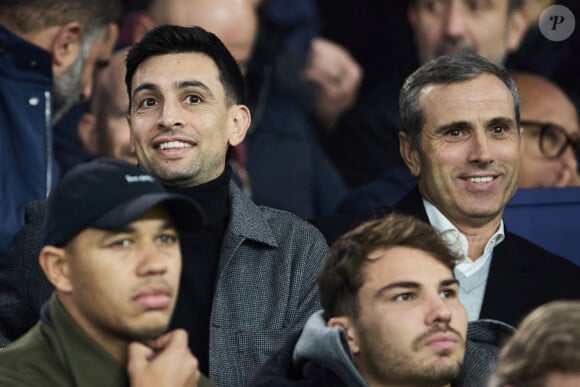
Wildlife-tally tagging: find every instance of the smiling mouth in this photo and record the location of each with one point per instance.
(480, 179)
(173, 145)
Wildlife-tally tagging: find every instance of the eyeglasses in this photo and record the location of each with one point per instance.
(553, 139)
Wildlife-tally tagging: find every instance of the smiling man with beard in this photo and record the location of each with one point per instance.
(253, 282)
(185, 91)
(49, 50)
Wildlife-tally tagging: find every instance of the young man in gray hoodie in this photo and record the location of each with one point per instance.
(391, 316)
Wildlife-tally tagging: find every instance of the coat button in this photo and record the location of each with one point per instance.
(33, 101)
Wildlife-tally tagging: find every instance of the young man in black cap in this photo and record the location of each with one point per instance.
(111, 250)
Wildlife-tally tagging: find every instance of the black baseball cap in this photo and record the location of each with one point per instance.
(108, 193)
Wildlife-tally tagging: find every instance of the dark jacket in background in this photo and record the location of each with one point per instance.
(287, 166)
(27, 168)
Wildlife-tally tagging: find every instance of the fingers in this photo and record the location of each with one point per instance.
(161, 342)
(338, 78)
(331, 67)
(138, 356)
(170, 364)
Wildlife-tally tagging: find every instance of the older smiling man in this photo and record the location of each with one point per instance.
(461, 139)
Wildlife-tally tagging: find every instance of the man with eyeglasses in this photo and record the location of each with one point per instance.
(551, 134)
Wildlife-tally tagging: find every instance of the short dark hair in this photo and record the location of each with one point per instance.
(35, 15)
(446, 69)
(170, 39)
(547, 340)
(342, 273)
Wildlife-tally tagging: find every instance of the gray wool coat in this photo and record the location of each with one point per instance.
(266, 287)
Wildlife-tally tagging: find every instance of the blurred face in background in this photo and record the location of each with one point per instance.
(105, 131)
(235, 22)
(551, 128)
(483, 27)
(75, 84)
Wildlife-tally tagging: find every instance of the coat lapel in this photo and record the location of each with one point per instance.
(510, 285)
(412, 204)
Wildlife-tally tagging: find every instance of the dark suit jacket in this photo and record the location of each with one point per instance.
(522, 275)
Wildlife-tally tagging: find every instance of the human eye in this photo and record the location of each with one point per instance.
(453, 132)
(500, 130)
(167, 238)
(553, 136)
(120, 243)
(407, 296)
(434, 6)
(477, 5)
(148, 102)
(448, 293)
(193, 99)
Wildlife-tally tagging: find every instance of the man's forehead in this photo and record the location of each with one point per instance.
(401, 262)
(485, 96)
(488, 80)
(183, 65)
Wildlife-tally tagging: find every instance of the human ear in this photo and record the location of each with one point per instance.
(409, 153)
(517, 28)
(54, 263)
(351, 334)
(65, 47)
(241, 119)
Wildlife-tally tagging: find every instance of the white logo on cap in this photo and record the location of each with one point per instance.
(139, 179)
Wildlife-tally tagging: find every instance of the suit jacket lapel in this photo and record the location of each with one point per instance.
(510, 285)
(412, 204)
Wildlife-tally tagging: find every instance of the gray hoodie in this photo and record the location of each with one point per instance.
(329, 348)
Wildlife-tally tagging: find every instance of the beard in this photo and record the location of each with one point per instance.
(67, 89)
(394, 365)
